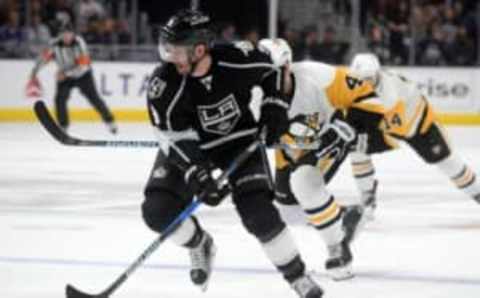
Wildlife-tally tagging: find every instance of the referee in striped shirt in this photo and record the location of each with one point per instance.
(74, 70)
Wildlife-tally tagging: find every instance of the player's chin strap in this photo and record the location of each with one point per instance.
(72, 292)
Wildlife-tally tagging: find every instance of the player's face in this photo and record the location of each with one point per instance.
(372, 80)
(67, 37)
(179, 55)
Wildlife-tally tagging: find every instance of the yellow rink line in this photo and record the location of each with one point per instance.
(86, 115)
(140, 115)
(459, 119)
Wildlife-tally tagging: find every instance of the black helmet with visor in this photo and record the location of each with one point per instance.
(186, 28)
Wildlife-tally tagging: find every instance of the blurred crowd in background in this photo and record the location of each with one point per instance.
(445, 32)
(400, 32)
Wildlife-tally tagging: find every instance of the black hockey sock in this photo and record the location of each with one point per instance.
(197, 236)
(293, 269)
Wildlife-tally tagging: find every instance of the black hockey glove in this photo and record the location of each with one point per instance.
(200, 181)
(275, 118)
(336, 140)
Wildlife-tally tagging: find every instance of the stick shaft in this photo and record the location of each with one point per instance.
(237, 162)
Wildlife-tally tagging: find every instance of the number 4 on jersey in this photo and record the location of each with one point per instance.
(395, 120)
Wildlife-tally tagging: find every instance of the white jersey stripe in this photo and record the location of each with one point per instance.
(228, 138)
(174, 102)
(246, 66)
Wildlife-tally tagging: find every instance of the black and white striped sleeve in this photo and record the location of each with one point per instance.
(82, 46)
(270, 80)
(44, 58)
(261, 71)
(171, 121)
(272, 86)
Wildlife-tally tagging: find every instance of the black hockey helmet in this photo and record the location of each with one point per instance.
(187, 27)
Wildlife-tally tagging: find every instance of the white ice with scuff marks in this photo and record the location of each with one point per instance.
(72, 215)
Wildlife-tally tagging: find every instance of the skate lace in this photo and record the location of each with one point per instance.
(303, 285)
(198, 256)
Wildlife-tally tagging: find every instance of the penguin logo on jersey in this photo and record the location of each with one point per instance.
(220, 118)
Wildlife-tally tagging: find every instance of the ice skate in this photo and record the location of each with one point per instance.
(477, 198)
(353, 221)
(306, 287)
(202, 258)
(338, 265)
(369, 200)
(356, 216)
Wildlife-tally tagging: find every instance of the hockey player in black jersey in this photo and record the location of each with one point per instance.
(198, 102)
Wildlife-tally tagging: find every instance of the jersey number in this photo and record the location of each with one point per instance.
(352, 82)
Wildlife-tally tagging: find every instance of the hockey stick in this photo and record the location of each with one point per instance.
(72, 292)
(59, 134)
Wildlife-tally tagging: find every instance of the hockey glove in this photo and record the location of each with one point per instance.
(336, 139)
(200, 181)
(274, 117)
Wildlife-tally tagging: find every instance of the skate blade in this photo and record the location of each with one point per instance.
(204, 286)
(340, 274)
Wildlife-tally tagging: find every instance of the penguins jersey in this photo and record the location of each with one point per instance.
(211, 114)
(320, 90)
(407, 112)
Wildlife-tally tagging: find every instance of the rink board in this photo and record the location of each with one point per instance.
(452, 91)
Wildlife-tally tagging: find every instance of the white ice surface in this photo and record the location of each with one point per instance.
(72, 215)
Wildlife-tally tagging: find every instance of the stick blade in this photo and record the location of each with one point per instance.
(72, 292)
(47, 121)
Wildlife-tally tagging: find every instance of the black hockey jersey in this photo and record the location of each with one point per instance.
(212, 112)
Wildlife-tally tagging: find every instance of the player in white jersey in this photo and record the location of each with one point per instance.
(323, 96)
(318, 138)
(408, 117)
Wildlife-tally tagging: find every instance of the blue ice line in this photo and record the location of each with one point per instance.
(363, 275)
